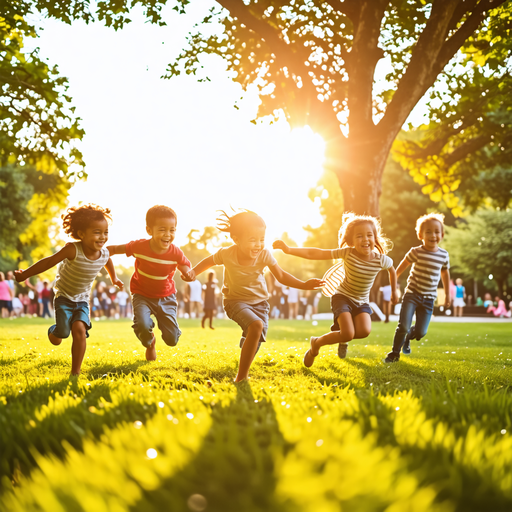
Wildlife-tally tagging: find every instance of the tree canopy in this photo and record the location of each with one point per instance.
(316, 63)
(482, 246)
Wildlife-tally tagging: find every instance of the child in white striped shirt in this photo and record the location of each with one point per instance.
(79, 264)
(363, 250)
(429, 262)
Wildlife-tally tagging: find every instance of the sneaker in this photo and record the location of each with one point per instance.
(392, 357)
(406, 349)
(342, 350)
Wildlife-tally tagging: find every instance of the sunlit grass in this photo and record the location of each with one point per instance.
(429, 433)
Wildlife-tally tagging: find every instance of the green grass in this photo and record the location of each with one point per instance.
(431, 433)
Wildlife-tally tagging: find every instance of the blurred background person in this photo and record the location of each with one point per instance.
(5, 297)
(209, 299)
(293, 303)
(195, 291)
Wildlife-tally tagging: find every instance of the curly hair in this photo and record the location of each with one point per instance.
(238, 223)
(78, 218)
(159, 212)
(350, 220)
(425, 218)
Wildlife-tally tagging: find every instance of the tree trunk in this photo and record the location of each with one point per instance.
(359, 165)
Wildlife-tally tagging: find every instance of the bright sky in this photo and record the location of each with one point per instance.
(176, 142)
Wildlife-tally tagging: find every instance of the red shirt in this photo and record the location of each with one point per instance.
(154, 272)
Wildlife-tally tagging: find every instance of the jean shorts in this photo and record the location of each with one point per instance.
(67, 313)
(343, 304)
(245, 314)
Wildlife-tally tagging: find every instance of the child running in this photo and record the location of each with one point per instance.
(245, 290)
(359, 236)
(429, 262)
(79, 264)
(152, 285)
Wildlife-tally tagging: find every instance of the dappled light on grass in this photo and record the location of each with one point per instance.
(431, 433)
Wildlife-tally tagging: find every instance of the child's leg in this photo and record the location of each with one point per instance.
(142, 323)
(409, 306)
(79, 333)
(344, 335)
(249, 348)
(211, 318)
(166, 317)
(362, 325)
(64, 309)
(424, 312)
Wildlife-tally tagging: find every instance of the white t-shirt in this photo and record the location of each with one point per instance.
(293, 295)
(122, 297)
(244, 282)
(386, 292)
(196, 290)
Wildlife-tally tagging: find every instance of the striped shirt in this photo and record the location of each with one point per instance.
(426, 270)
(154, 272)
(359, 274)
(75, 277)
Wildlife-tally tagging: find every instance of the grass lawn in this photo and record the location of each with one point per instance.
(430, 433)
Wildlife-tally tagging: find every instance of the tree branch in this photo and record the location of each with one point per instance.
(467, 148)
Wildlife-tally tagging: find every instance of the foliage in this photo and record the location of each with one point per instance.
(433, 431)
(315, 63)
(482, 245)
(37, 122)
(30, 201)
(201, 245)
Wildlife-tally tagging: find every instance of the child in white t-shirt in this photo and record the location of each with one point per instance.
(245, 290)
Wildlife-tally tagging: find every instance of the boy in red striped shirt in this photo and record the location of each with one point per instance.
(152, 285)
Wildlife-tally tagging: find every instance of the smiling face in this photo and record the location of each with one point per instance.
(251, 242)
(94, 237)
(162, 234)
(431, 234)
(363, 238)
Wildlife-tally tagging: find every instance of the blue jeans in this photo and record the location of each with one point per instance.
(164, 309)
(424, 307)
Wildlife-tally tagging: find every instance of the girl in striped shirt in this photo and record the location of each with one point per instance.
(79, 264)
(363, 250)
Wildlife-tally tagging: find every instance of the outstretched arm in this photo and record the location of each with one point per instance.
(392, 282)
(68, 251)
(403, 265)
(309, 253)
(291, 281)
(116, 249)
(112, 273)
(201, 267)
(445, 277)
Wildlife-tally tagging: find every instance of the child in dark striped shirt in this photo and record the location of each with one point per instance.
(429, 262)
(362, 250)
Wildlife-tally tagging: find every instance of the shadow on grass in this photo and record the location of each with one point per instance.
(235, 468)
(44, 415)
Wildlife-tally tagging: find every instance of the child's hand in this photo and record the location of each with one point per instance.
(447, 303)
(279, 244)
(189, 276)
(394, 297)
(18, 275)
(117, 282)
(313, 284)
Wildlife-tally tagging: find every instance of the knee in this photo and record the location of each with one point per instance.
(78, 330)
(419, 334)
(362, 333)
(171, 338)
(143, 324)
(256, 327)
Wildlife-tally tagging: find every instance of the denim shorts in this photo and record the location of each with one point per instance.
(245, 314)
(67, 313)
(343, 304)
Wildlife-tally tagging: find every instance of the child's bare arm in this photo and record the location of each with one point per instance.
(291, 281)
(201, 267)
(67, 252)
(112, 273)
(116, 249)
(309, 253)
(445, 277)
(403, 265)
(392, 282)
